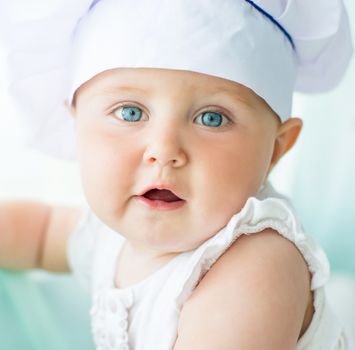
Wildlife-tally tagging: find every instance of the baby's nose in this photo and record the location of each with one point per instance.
(165, 149)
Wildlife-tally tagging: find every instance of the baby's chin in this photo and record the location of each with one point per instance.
(177, 240)
(170, 232)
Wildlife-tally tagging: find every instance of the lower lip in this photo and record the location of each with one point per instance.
(160, 205)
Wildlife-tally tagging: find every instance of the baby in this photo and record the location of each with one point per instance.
(181, 111)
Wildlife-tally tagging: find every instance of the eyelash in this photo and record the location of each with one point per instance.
(213, 109)
(218, 110)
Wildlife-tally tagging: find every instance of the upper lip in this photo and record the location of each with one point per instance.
(161, 187)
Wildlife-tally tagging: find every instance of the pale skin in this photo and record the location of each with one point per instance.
(171, 147)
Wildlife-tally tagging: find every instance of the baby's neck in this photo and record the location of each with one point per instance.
(136, 263)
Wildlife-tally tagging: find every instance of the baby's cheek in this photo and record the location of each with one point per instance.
(108, 186)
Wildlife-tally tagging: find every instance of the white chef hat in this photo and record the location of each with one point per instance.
(274, 47)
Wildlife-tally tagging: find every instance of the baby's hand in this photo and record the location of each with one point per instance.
(35, 235)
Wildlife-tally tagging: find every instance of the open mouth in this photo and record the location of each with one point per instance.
(161, 199)
(161, 195)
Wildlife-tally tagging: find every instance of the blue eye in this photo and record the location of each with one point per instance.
(212, 119)
(129, 113)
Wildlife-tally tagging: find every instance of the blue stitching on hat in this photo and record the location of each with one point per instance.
(94, 2)
(273, 20)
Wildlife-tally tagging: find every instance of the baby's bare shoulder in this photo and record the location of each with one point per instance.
(254, 297)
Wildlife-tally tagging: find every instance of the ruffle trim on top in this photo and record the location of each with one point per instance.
(110, 318)
(256, 216)
(323, 332)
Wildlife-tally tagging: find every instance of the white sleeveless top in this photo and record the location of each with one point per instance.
(145, 315)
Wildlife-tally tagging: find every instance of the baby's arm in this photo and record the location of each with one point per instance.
(34, 235)
(256, 296)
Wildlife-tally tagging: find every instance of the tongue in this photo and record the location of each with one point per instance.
(162, 195)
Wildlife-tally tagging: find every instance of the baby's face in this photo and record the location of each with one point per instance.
(167, 157)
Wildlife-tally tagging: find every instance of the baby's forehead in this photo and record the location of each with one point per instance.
(149, 81)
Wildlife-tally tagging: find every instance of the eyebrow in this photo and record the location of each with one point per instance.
(119, 88)
(112, 90)
(236, 97)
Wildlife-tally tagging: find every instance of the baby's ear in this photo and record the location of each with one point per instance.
(70, 108)
(287, 135)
